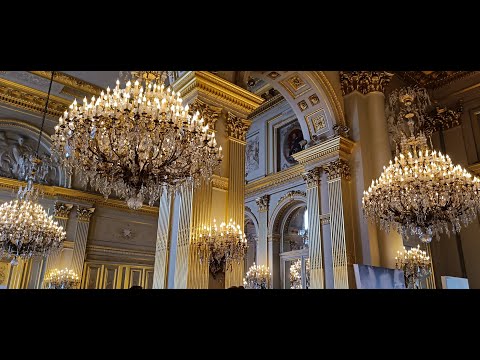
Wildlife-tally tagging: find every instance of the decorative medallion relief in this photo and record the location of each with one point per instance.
(316, 121)
(364, 81)
(295, 85)
(314, 100)
(273, 75)
(303, 105)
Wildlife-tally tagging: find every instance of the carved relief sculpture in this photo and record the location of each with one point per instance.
(209, 113)
(341, 130)
(252, 160)
(337, 169)
(262, 202)
(312, 177)
(237, 128)
(84, 213)
(62, 210)
(364, 81)
(291, 194)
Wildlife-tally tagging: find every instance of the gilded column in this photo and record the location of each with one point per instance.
(264, 252)
(84, 215)
(183, 236)
(430, 280)
(61, 214)
(237, 130)
(365, 107)
(162, 244)
(312, 178)
(343, 251)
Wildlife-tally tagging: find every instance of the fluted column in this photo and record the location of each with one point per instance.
(343, 251)
(312, 178)
(84, 215)
(183, 236)
(162, 244)
(430, 280)
(264, 255)
(237, 129)
(61, 214)
(365, 109)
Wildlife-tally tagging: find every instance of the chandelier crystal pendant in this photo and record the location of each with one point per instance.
(26, 229)
(221, 246)
(416, 265)
(421, 193)
(136, 141)
(257, 277)
(61, 279)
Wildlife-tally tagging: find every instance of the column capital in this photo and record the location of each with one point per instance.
(312, 177)
(208, 112)
(337, 169)
(84, 213)
(236, 127)
(62, 210)
(364, 81)
(262, 202)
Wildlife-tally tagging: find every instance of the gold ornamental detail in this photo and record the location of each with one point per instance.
(208, 112)
(84, 213)
(263, 202)
(62, 210)
(364, 81)
(337, 169)
(312, 177)
(236, 127)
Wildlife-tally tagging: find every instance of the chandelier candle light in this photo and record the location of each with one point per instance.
(136, 140)
(420, 193)
(61, 279)
(416, 265)
(26, 229)
(257, 277)
(221, 246)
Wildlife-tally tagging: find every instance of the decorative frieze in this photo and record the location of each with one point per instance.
(364, 81)
(70, 81)
(208, 112)
(84, 213)
(312, 177)
(262, 202)
(62, 210)
(291, 194)
(236, 127)
(443, 118)
(337, 169)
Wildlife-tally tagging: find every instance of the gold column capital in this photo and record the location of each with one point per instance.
(84, 213)
(62, 210)
(262, 202)
(208, 112)
(337, 169)
(236, 127)
(312, 177)
(364, 81)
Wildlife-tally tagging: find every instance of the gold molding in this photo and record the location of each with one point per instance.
(475, 168)
(25, 97)
(220, 182)
(119, 251)
(61, 193)
(331, 95)
(218, 88)
(273, 180)
(70, 81)
(267, 105)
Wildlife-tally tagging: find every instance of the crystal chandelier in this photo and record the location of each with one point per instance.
(61, 279)
(221, 246)
(136, 140)
(257, 277)
(296, 274)
(421, 192)
(25, 227)
(416, 265)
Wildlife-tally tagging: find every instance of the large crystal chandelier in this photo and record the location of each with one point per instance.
(257, 277)
(416, 265)
(61, 279)
(136, 141)
(421, 192)
(296, 274)
(221, 246)
(25, 227)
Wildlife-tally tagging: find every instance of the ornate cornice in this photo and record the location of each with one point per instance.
(267, 105)
(443, 118)
(337, 169)
(325, 219)
(208, 112)
(273, 180)
(204, 82)
(332, 96)
(33, 100)
(62, 210)
(262, 202)
(337, 146)
(70, 81)
(71, 195)
(84, 213)
(432, 79)
(312, 177)
(291, 195)
(220, 182)
(236, 127)
(364, 81)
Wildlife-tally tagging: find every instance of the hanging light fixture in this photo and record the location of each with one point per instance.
(25, 227)
(416, 265)
(421, 192)
(61, 279)
(136, 141)
(257, 277)
(220, 246)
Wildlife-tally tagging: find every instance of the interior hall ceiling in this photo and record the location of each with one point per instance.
(432, 79)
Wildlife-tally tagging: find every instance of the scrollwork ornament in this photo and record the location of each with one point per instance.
(337, 169)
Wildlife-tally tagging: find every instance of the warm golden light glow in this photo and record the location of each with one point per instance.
(61, 279)
(415, 264)
(258, 277)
